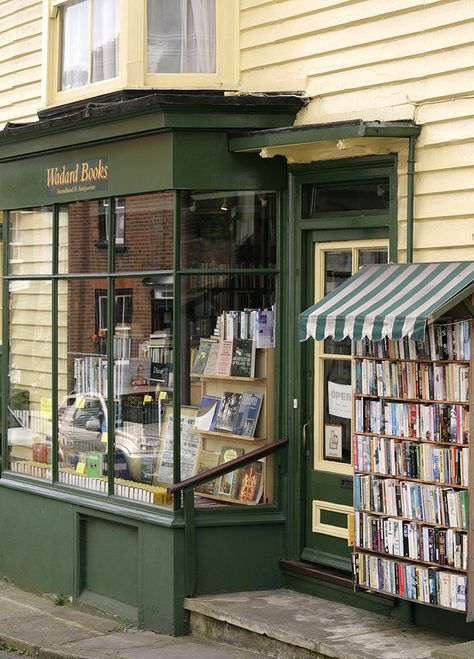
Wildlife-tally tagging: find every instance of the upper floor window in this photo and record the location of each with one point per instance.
(89, 42)
(181, 36)
(95, 47)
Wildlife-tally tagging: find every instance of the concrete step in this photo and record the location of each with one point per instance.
(290, 625)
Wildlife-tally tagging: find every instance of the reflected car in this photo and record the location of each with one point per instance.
(82, 422)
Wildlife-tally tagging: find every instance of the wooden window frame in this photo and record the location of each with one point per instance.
(133, 55)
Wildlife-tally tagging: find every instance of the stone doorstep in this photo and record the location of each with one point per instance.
(305, 626)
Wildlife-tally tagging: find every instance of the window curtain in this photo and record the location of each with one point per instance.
(181, 36)
(75, 45)
(105, 39)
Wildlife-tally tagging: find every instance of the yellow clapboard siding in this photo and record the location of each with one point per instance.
(453, 131)
(445, 205)
(444, 157)
(371, 14)
(262, 12)
(15, 83)
(8, 7)
(440, 233)
(442, 111)
(407, 70)
(351, 37)
(332, 56)
(31, 11)
(445, 180)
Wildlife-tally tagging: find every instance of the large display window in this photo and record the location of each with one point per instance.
(118, 329)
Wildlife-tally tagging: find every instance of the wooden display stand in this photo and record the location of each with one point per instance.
(263, 383)
(427, 473)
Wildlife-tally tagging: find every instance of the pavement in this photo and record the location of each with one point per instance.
(280, 623)
(35, 626)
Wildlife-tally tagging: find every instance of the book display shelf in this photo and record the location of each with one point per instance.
(235, 416)
(412, 422)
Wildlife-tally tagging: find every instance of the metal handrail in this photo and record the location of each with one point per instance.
(227, 467)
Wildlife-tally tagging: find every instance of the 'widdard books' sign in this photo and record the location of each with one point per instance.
(81, 176)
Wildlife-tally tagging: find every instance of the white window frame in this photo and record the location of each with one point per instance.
(132, 63)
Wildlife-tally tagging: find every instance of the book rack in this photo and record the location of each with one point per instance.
(216, 441)
(412, 418)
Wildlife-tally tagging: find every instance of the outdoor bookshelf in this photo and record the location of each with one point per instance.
(412, 422)
(216, 441)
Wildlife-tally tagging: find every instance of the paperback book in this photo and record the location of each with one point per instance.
(248, 413)
(228, 411)
(207, 413)
(243, 358)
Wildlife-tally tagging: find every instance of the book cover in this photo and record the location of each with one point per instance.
(243, 358)
(228, 484)
(95, 463)
(248, 413)
(207, 413)
(224, 358)
(202, 355)
(251, 483)
(228, 411)
(265, 329)
(211, 364)
(206, 460)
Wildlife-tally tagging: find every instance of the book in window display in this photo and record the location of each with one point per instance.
(243, 358)
(411, 463)
(228, 412)
(248, 413)
(207, 413)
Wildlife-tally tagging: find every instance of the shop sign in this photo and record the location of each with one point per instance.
(78, 177)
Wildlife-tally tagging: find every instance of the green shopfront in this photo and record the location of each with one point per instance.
(143, 237)
(130, 232)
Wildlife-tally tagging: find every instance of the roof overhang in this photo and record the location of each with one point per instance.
(311, 133)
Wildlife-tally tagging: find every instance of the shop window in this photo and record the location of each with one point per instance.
(94, 46)
(89, 43)
(104, 217)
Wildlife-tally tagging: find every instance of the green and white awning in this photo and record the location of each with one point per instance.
(394, 301)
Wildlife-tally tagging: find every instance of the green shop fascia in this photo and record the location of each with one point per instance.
(129, 229)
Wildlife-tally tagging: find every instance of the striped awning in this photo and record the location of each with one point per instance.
(394, 300)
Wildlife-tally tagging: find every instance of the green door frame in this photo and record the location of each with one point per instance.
(302, 233)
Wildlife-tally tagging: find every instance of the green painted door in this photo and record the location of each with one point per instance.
(345, 222)
(329, 431)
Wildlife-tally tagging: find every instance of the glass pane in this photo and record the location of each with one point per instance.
(336, 430)
(30, 241)
(74, 45)
(227, 383)
(30, 367)
(82, 237)
(143, 384)
(228, 229)
(82, 396)
(343, 197)
(181, 36)
(337, 269)
(373, 256)
(144, 225)
(105, 39)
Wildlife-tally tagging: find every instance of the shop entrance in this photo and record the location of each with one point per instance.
(345, 225)
(329, 463)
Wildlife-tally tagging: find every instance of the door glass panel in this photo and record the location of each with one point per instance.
(373, 256)
(336, 432)
(337, 269)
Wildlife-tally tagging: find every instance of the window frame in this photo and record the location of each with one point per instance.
(132, 62)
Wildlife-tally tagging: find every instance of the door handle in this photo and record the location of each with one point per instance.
(306, 430)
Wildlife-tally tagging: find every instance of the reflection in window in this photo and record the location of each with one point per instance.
(181, 36)
(89, 52)
(228, 229)
(104, 219)
(30, 241)
(30, 368)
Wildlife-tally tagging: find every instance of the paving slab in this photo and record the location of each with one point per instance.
(319, 626)
(461, 651)
(36, 625)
